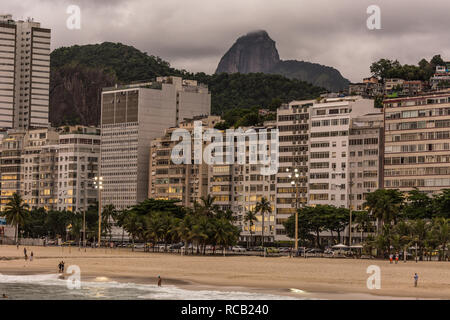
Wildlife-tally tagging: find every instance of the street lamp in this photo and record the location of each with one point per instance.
(98, 184)
(350, 184)
(294, 183)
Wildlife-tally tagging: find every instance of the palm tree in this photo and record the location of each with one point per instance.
(109, 214)
(184, 229)
(385, 205)
(132, 225)
(206, 206)
(263, 206)
(225, 233)
(16, 212)
(440, 232)
(362, 219)
(250, 218)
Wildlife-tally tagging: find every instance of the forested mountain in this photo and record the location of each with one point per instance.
(78, 74)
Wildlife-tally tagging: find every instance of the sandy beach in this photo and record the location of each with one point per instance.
(311, 278)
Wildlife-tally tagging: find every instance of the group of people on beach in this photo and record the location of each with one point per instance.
(61, 267)
(391, 260)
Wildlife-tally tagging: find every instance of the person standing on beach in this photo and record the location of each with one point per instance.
(416, 279)
(31, 256)
(159, 281)
(391, 257)
(396, 258)
(24, 251)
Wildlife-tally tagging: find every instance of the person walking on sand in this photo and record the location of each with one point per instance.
(159, 281)
(24, 251)
(31, 256)
(391, 258)
(416, 278)
(396, 258)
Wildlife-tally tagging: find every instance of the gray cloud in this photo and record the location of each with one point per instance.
(195, 34)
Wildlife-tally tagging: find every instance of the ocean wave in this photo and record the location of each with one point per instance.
(119, 290)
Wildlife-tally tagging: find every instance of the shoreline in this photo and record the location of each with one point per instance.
(316, 278)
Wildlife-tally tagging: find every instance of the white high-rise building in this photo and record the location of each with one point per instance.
(24, 74)
(331, 121)
(134, 115)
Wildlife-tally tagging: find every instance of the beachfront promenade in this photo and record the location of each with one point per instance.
(273, 274)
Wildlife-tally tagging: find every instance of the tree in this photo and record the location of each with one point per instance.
(304, 226)
(385, 205)
(250, 218)
(441, 233)
(16, 213)
(383, 68)
(437, 61)
(441, 204)
(263, 207)
(363, 221)
(109, 214)
(418, 206)
(225, 233)
(336, 219)
(206, 206)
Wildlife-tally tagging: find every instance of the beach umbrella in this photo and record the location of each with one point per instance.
(356, 246)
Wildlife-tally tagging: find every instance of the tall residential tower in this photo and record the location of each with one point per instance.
(24, 74)
(134, 115)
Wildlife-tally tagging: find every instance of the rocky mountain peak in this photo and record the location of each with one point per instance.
(254, 52)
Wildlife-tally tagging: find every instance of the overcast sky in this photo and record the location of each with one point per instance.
(195, 34)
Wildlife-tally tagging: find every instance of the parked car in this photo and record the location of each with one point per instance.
(176, 246)
(139, 246)
(272, 250)
(238, 249)
(284, 249)
(314, 250)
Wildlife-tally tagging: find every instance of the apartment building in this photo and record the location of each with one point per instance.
(11, 165)
(391, 84)
(78, 161)
(50, 168)
(293, 126)
(417, 148)
(240, 186)
(366, 146)
(38, 169)
(187, 183)
(331, 123)
(134, 115)
(24, 73)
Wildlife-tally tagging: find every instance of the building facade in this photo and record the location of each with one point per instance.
(51, 168)
(417, 148)
(293, 125)
(241, 185)
(24, 74)
(187, 183)
(134, 115)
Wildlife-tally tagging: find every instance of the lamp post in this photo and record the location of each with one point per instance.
(294, 183)
(98, 184)
(350, 184)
